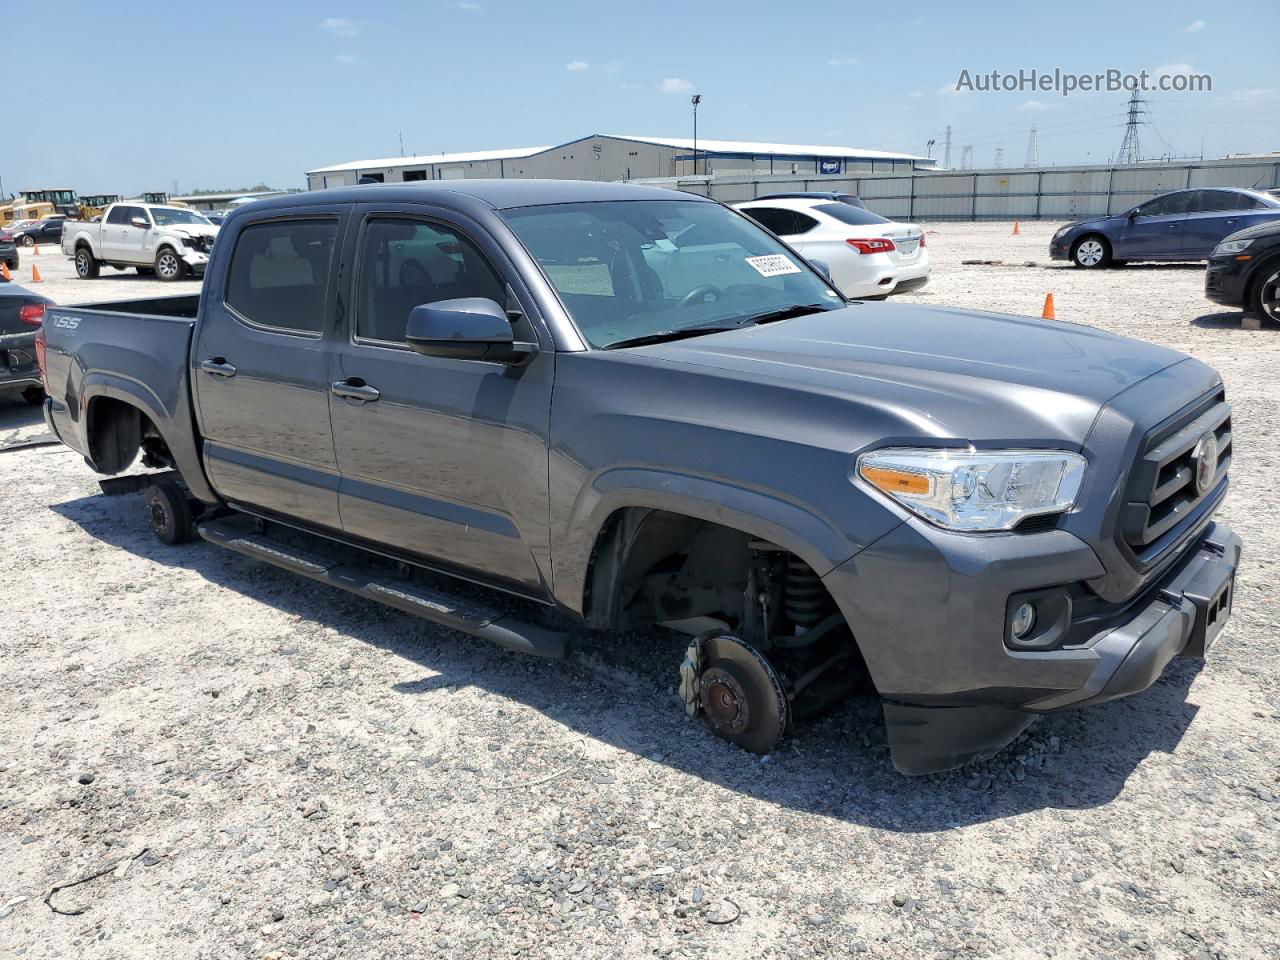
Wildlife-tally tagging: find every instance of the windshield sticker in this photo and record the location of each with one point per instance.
(773, 265)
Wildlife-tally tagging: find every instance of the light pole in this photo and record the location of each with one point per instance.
(695, 100)
(929, 148)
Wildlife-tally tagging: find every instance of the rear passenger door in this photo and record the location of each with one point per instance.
(261, 367)
(1212, 215)
(443, 459)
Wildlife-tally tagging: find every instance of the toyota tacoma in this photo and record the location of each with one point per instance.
(636, 407)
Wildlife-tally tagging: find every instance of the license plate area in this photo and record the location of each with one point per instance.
(1212, 591)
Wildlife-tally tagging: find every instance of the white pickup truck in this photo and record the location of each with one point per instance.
(171, 242)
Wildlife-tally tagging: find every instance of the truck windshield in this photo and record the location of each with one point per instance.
(636, 270)
(174, 216)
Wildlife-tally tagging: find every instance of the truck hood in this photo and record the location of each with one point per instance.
(937, 372)
(193, 230)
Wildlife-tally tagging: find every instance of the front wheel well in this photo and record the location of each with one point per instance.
(117, 431)
(658, 567)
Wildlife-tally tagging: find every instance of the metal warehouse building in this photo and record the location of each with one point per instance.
(619, 157)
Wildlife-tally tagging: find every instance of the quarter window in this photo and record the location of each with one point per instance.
(406, 263)
(280, 273)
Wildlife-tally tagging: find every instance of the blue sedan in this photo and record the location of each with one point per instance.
(1183, 225)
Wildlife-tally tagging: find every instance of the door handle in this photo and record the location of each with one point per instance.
(353, 388)
(218, 367)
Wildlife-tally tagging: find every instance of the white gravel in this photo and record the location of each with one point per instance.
(283, 771)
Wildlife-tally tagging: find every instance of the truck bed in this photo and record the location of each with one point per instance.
(131, 353)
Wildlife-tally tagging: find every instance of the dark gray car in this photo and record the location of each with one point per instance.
(21, 315)
(637, 407)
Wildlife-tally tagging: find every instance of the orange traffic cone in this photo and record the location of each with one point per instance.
(1047, 312)
(4, 271)
(35, 249)
(35, 274)
(1016, 231)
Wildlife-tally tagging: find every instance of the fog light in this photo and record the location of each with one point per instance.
(1023, 619)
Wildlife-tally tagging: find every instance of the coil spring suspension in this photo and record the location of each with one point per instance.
(804, 594)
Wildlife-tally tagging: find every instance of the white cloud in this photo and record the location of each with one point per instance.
(577, 66)
(916, 94)
(346, 59)
(1174, 69)
(949, 90)
(469, 5)
(613, 66)
(1034, 105)
(1195, 26)
(340, 27)
(630, 85)
(842, 61)
(675, 85)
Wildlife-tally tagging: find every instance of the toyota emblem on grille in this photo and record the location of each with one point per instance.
(1204, 461)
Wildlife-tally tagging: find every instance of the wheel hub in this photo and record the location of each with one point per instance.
(158, 518)
(724, 701)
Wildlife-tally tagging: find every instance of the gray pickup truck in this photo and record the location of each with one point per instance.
(638, 407)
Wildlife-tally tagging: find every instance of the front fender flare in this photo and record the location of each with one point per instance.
(759, 513)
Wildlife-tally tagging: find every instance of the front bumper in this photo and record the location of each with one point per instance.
(195, 259)
(929, 610)
(1060, 248)
(1224, 281)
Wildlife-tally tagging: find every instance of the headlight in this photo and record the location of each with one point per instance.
(976, 490)
(1230, 246)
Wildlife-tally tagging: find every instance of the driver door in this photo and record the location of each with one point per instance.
(1154, 232)
(439, 458)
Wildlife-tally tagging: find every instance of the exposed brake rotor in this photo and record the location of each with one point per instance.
(739, 692)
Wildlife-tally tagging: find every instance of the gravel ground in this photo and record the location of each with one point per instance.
(264, 768)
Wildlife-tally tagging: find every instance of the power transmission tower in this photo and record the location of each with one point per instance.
(946, 148)
(1131, 148)
(1033, 149)
(999, 161)
(966, 157)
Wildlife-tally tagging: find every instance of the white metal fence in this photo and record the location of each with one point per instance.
(1049, 193)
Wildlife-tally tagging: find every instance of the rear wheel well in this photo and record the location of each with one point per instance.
(117, 430)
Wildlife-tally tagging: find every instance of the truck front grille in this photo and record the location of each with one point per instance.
(1179, 476)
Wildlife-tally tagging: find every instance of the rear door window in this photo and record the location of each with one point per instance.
(779, 220)
(279, 274)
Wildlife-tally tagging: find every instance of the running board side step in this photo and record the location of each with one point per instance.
(435, 605)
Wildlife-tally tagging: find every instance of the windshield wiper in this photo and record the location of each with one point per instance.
(786, 313)
(665, 336)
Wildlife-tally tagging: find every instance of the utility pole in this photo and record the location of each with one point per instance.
(946, 148)
(999, 161)
(1033, 150)
(400, 134)
(695, 100)
(1131, 148)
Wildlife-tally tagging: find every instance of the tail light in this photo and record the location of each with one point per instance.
(6, 236)
(922, 240)
(32, 314)
(44, 373)
(874, 245)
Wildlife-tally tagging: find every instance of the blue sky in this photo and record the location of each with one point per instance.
(133, 96)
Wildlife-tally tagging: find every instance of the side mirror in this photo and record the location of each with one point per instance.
(1132, 214)
(140, 222)
(469, 328)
